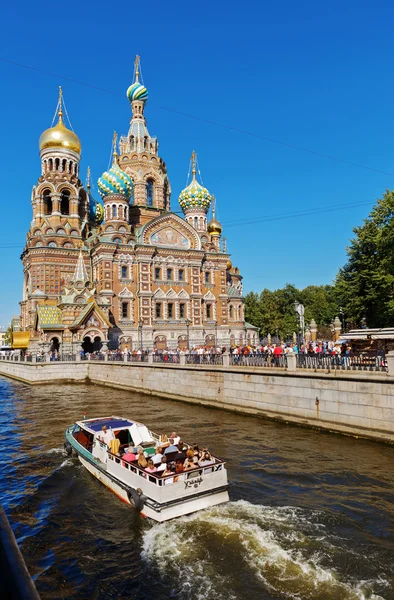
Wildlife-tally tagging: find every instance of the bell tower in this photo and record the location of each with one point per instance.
(139, 158)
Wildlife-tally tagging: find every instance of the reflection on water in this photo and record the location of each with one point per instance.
(310, 517)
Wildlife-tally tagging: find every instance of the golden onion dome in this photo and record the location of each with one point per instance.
(60, 137)
(214, 227)
(229, 265)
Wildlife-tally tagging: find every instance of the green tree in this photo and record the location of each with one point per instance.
(365, 285)
(7, 337)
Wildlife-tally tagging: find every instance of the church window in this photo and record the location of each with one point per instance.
(209, 311)
(196, 222)
(124, 272)
(52, 244)
(181, 275)
(158, 311)
(47, 201)
(64, 162)
(207, 277)
(157, 272)
(182, 311)
(65, 202)
(57, 163)
(149, 192)
(231, 311)
(125, 310)
(170, 310)
(60, 231)
(169, 274)
(50, 163)
(166, 195)
(114, 211)
(74, 232)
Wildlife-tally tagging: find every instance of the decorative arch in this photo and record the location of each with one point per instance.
(170, 230)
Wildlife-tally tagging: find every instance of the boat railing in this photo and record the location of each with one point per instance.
(161, 480)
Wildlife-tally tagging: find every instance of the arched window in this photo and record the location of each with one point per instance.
(64, 163)
(114, 211)
(124, 272)
(196, 222)
(50, 162)
(149, 192)
(65, 202)
(166, 199)
(117, 240)
(57, 163)
(231, 310)
(47, 201)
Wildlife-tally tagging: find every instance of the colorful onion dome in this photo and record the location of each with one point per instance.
(137, 91)
(115, 181)
(195, 196)
(60, 136)
(214, 227)
(229, 265)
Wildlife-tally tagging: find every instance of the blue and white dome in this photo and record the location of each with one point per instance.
(137, 91)
(115, 181)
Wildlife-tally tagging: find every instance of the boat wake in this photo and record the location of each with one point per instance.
(241, 550)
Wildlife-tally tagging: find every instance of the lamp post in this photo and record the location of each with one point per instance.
(341, 312)
(299, 311)
(187, 323)
(140, 325)
(216, 334)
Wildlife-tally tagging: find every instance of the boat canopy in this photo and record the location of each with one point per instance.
(110, 422)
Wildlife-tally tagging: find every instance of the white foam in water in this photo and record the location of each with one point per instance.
(55, 451)
(206, 551)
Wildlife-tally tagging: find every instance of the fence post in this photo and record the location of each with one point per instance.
(226, 359)
(125, 357)
(106, 357)
(150, 358)
(34, 358)
(182, 358)
(390, 362)
(291, 360)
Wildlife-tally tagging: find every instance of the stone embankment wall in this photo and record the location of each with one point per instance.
(356, 403)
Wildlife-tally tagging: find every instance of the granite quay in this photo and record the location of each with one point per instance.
(357, 402)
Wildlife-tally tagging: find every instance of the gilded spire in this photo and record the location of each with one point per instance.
(213, 207)
(60, 105)
(137, 68)
(88, 179)
(194, 163)
(80, 273)
(114, 141)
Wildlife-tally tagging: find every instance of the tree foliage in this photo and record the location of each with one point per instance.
(365, 285)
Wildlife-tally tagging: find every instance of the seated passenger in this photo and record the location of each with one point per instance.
(196, 453)
(171, 449)
(162, 467)
(151, 467)
(206, 460)
(175, 438)
(163, 438)
(179, 468)
(129, 456)
(156, 458)
(189, 464)
(142, 462)
(189, 453)
(169, 471)
(181, 446)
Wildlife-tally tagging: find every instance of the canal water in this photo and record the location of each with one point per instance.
(311, 515)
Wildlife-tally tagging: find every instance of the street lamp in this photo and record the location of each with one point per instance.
(140, 324)
(299, 311)
(341, 312)
(187, 323)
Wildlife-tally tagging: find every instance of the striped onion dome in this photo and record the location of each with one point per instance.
(137, 91)
(115, 181)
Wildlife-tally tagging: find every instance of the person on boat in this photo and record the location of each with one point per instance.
(189, 463)
(129, 456)
(151, 467)
(206, 460)
(142, 462)
(168, 471)
(196, 453)
(162, 467)
(106, 435)
(176, 438)
(156, 458)
(171, 449)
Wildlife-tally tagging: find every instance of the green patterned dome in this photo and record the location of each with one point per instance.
(195, 195)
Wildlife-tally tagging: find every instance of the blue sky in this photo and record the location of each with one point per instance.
(313, 75)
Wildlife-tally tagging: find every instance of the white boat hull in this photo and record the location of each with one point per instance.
(184, 507)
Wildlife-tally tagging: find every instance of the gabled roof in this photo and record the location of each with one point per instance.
(89, 308)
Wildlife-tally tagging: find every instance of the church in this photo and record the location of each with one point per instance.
(123, 271)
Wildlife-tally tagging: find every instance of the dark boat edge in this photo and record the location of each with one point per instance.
(15, 580)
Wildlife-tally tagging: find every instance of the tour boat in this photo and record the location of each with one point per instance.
(153, 495)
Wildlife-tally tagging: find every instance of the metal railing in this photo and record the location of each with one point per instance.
(204, 359)
(368, 361)
(258, 360)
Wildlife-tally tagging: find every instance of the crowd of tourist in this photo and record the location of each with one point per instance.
(171, 459)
